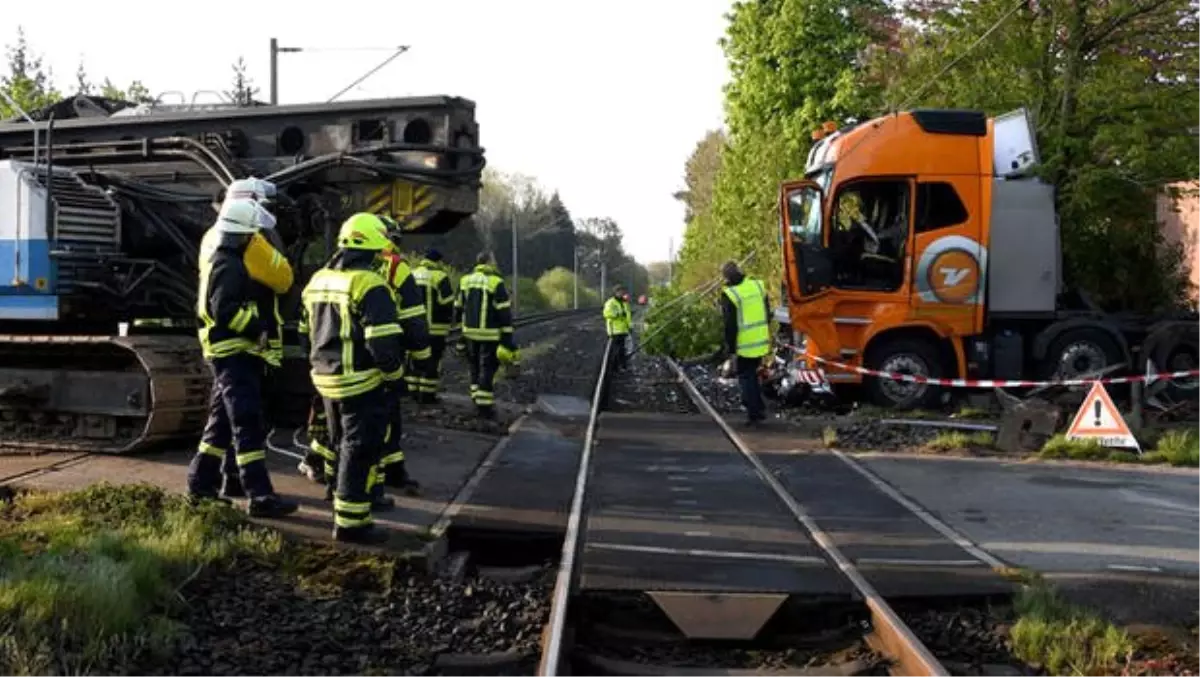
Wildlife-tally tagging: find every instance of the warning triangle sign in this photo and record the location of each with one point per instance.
(1098, 419)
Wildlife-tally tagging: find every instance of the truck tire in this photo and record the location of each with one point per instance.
(1077, 352)
(911, 356)
(1180, 356)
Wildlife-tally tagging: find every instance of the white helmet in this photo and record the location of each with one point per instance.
(252, 188)
(243, 216)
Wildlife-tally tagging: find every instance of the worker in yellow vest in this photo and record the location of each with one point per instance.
(433, 280)
(746, 310)
(618, 319)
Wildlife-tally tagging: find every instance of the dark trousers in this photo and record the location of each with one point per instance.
(747, 373)
(234, 439)
(426, 374)
(483, 363)
(358, 425)
(323, 449)
(391, 462)
(619, 346)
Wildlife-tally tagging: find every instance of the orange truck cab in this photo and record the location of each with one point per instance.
(919, 244)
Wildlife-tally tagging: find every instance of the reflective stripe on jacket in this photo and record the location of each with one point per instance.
(618, 316)
(410, 306)
(354, 334)
(236, 271)
(753, 332)
(484, 306)
(439, 297)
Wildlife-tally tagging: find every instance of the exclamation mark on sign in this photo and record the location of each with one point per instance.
(1096, 407)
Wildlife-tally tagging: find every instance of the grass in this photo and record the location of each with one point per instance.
(968, 413)
(88, 578)
(1065, 639)
(950, 440)
(1175, 447)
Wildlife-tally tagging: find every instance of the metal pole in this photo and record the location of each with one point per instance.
(603, 279)
(274, 72)
(513, 221)
(575, 269)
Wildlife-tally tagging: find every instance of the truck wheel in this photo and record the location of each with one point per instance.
(909, 356)
(1180, 357)
(1078, 352)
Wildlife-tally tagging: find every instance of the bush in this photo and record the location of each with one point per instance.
(681, 327)
(557, 287)
(529, 298)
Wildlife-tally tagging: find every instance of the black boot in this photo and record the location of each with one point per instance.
(311, 467)
(232, 488)
(380, 501)
(271, 506)
(368, 535)
(397, 477)
(486, 412)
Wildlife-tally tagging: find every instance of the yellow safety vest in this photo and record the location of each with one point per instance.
(618, 317)
(439, 310)
(754, 334)
(477, 294)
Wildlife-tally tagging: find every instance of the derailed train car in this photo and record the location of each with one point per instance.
(102, 207)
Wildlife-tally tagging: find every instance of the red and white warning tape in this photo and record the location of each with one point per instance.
(989, 383)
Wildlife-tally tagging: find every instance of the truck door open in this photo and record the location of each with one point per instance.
(807, 266)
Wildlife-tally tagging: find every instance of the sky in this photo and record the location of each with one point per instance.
(601, 101)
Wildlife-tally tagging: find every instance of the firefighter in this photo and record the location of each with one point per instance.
(410, 309)
(618, 318)
(434, 282)
(746, 310)
(484, 311)
(235, 262)
(357, 357)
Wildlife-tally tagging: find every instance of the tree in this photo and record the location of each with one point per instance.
(136, 92)
(243, 90)
(658, 273)
(26, 82)
(1112, 87)
(794, 65)
(700, 175)
(82, 84)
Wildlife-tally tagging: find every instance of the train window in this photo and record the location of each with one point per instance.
(868, 234)
(938, 206)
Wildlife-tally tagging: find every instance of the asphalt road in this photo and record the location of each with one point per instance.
(1057, 518)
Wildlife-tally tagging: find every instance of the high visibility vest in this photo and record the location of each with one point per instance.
(484, 299)
(618, 317)
(754, 334)
(264, 264)
(341, 365)
(439, 297)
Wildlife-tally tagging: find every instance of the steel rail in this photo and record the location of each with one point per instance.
(890, 635)
(553, 639)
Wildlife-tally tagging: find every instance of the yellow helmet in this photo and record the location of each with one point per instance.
(364, 231)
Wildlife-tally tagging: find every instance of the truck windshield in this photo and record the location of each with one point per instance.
(804, 215)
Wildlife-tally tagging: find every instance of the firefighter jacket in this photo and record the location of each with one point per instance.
(746, 309)
(410, 307)
(618, 316)
(354, 336)
(435, 287)
(483, 308)
(236, 272)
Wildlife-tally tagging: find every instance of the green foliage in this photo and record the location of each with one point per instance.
(952, 440)
(681, 327)
(243, 90)
(1179, 447)
(88, 576)
(1175, 447)
(529, 297)
(1060, 446)
(26, 82)
(557, 287)
(1064, 639)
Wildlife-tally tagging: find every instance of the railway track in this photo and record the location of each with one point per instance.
(684, 553)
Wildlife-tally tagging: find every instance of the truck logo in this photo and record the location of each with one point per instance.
(951, 271)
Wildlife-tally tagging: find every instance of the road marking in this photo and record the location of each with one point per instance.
(938, 525)
(919, 562)
(692, 518)
(1136, 497)
(1134, 567)
(677, 478)
(680, 489)
(686, 501)
(719, 554)
(674, 468)
(697, 533)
